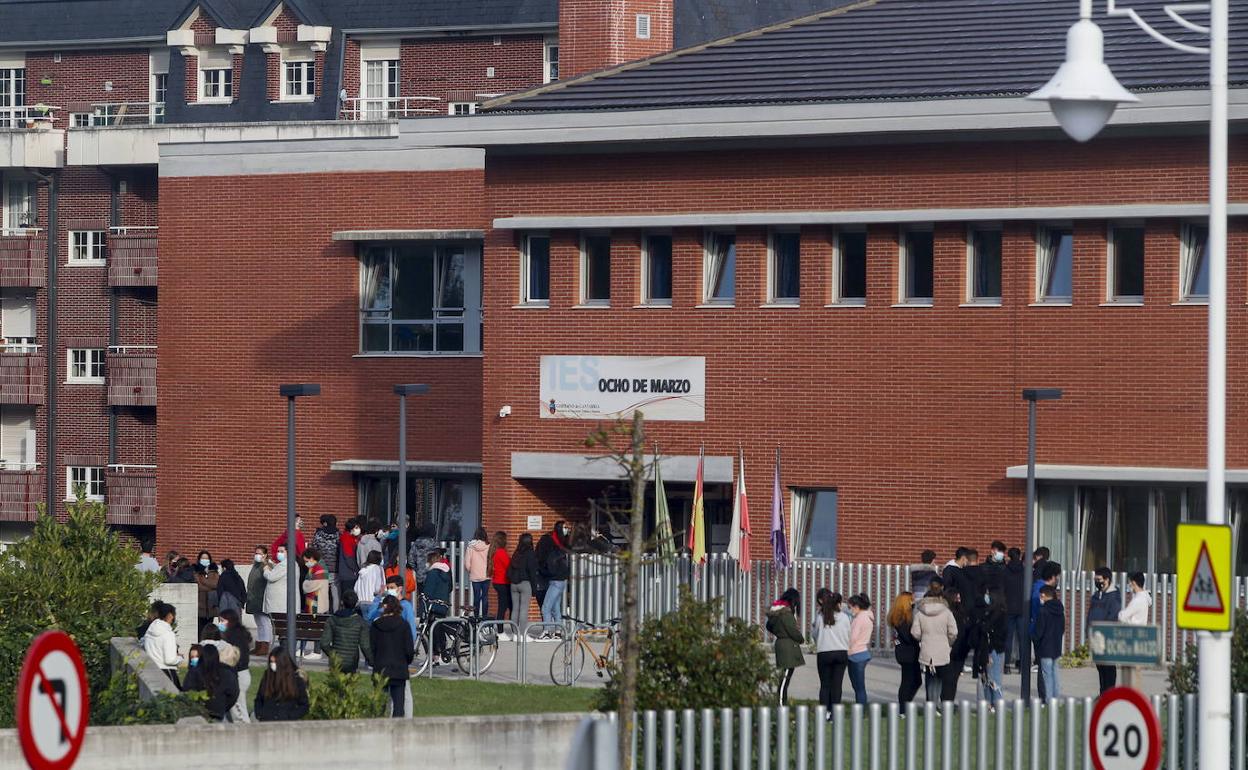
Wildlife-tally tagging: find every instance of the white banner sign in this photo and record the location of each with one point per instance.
(611, 387)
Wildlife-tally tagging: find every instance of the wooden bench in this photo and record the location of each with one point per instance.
(308, 627)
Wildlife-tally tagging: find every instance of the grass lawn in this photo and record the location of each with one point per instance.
(465, 697)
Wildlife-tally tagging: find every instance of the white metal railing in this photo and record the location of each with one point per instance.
(124, 349)
(28, 116)
(389, 107)
(19, 232)
(127, 229)
(21, 467)
(129, 467)
(19, 345)
(119, 114)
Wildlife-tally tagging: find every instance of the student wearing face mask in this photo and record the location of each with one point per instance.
(394, 587)
(207, 576)
(283, 693)
(300, 544)
(255, 601)
(367, 544)
(348, 565)
(393, 648)
(1104, 606)
(276, 573)
(315, 594)
(216, 679)
(371, 583)
(554, 567)
(232, 631)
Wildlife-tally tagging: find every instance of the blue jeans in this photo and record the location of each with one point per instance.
(858, 676)
(1048, 671)
(1014, 638)
(552, 605)
(480, 590)
(990, 681)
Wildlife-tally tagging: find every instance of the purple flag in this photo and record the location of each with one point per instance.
(779, 543)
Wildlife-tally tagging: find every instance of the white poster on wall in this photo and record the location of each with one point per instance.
(613, 387)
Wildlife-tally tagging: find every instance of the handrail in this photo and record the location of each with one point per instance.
(19, 232)
(19, 347)
(5, 465)
(123, 349)
(105, 114)
(127, 467)
(387, 108)
(126, 229)
(15, 117)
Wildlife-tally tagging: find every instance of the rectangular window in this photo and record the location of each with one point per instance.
(643, 26)
(984, 252)
(784, 272)
(595, 269)
(381, 89)
(216, 84)
(160, 94)
(849, 268)
(17, 437)
(89, 479)
(17, 318)
(814, 523)
(1055, 255)
(12, 97)
(299, 79)
(85, 365)
(916, 267)
(17, 198)
(719, 269)
(461, 108)
(1126, 264)
(1194, 263)
(535, 270)
(87, 247)
(420, 299)
(550, 60)
(656, 270)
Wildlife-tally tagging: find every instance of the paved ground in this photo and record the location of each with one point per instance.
(883, 676)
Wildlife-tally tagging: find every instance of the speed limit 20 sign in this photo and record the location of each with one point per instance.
(1125, 733)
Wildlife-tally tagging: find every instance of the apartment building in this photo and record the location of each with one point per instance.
(89, 90)
(762, 246)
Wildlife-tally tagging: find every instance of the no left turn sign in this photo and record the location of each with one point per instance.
(1125, 733)
(52, 702)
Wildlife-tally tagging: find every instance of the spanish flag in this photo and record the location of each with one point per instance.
(697, 527)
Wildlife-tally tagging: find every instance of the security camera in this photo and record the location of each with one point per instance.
(505, 411)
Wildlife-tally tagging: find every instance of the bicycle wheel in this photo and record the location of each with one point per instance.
(567, 663)
(486, 651)
(420, 663)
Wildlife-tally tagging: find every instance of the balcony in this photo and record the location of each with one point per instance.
(132, 375)
(132, 256)
(131, 493)
(27, 139)
(23, 374)
(390, 108)
(23, 258)
(21, 490)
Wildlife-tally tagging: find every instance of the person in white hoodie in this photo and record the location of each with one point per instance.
(275, 574)
(1136, 611)
(475, 559)
(161, 644)
(830, 632)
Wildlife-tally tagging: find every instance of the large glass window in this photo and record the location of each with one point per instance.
(1131, 529)
(719, 273)
(1168, 504)
(1055, 525)
(451, 505)
(1055, 253)
(917, 252)
(1194, 263)
(17, 197)
(420, 298)
(814, 523)
(985, 266)
(596, 270)
(381, 89)
(786, 257)
(12, 97)
(1126, 264)
(850, 273)
(656, 263)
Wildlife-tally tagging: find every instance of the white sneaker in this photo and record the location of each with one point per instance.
(312, 656)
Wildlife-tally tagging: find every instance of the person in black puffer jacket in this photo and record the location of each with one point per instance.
(990, 634)
(1015, 608)
(283, 693)
(234, 633)
(215, 678)
(393, 651)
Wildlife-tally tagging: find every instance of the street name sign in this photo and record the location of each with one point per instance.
(1121, 644)
(52, 702)
(1204, 578)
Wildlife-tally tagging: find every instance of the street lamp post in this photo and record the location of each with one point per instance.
(1031, 396)
(290, 393)
(1083, 101)
(403, 391)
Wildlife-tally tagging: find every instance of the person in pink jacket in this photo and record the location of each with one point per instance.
(860, 630)
(476, 559)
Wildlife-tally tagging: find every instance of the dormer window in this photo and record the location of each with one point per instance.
(298, 80)
(216, 77)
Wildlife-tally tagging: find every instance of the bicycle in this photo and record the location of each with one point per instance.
(568, 661)
(459, 634)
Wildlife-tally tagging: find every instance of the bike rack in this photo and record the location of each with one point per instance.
(517, 641)
(567, 628)
(433, 628)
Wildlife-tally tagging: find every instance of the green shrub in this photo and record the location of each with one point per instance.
(75, 576)
(1077, 658)
(690, 658)
(1183, 676)
(119, 704)
(338, 696)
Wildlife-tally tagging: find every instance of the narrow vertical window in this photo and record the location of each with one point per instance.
(719, 273)
(656, 263)
(596, 270)
(850, 268)
(1194, 264)
(550, 60)
(1055, 253)
(535, 270)
(784, 270)
(1126, 264)
(916, 266)
(985, 266)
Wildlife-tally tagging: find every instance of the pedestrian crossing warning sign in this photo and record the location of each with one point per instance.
(1204, 577)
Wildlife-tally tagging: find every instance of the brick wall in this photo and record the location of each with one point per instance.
(276, 301)
(594, 34)
(912, 414)
(78, 80)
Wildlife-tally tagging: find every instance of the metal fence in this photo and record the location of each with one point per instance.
(964, 736)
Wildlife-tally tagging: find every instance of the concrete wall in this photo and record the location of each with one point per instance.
(185, 598)
(126, 651)
(463, 743)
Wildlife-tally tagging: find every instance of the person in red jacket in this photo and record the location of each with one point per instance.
(301, 545)
(499, 561)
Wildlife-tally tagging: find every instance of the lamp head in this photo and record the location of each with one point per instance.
(411, 390)
(1083, 93)
(297, 390)
(1042, 394)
